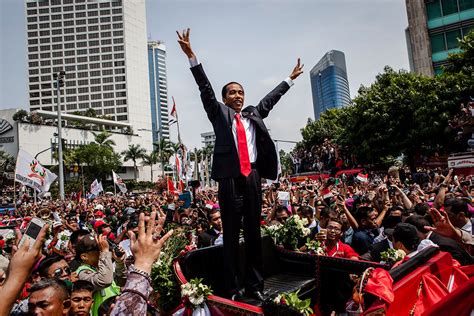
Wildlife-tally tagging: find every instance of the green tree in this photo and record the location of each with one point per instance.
(400, 113)
(103, 139)
(134, 152)
(328, 126)
(20, 115)
(100, 161)
(150, 160)
(285, 162)
(165, 149)
(7, 163)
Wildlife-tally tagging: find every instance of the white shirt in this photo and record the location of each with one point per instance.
(247, 123)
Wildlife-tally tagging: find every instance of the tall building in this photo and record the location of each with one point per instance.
(433, 29)
(329, 84)
(101, 45)
(208, 138)
(158, 90)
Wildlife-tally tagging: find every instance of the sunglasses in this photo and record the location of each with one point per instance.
(59, 272)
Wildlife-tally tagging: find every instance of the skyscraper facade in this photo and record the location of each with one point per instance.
(433, 29)
(158, 90)
(329, 84)
(101, 45)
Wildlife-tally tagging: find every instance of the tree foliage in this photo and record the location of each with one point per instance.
(134, 152)
(400, 113)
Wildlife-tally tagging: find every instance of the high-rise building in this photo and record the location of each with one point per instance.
(434, 27)
(101, 45)
(208, 138)
(329, 84)
(158, 90)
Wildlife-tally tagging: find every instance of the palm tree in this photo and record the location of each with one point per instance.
(133, 153)
(7, 162)
(103, 139)
(166, 149)
(150, 160)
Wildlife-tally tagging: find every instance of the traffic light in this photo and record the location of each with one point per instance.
(59, 78)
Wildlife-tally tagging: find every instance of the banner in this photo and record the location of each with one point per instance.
(119, 182)
(96, 187)
(30, 172)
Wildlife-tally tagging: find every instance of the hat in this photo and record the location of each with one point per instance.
(57, 224)
(98, 224)
(99, 207)
(86, 244)
(99, 214)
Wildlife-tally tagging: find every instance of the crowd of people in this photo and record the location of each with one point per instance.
(94, 256)
(324, 157)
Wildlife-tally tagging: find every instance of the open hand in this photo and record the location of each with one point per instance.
(443, 225)
(298, 70)
(183, 40)
(147, 246)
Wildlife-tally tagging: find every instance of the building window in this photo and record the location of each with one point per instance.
(96, 104)
(68, 38)
(81, 51)
(95, 66)
(106, 34)
(120, 86)
(109, 111)
(83, 90)
(44, 33)
(96, 89)
(466, 5)
(449, 6)
(93, 43)
(82, 75)
(121, 102)
(57, 46)
(69, 53)
(117, 18)
(44, 18)
(95, 81)
(104, 12)
(44, 25)
(107, 64)
(118, 33)
(105, 27)
(452, 39)
(80, 14)
(45, 55)
(121, 94)
(71, 91)
(69, 31)
(95, 73)
(83, 82)
(96, 96)
(83, 97)
(70, 107)
(57, 39)
(93, 28)
(93, 21)
(43, 11)
(70, 83)
(109, 88)
(81, 22)
(32, 34)
(105, 19)
(121, 117)
(57, 61)
(437, 43)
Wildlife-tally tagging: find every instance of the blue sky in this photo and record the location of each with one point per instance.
(254, 42)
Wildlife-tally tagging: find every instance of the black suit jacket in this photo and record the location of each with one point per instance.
(207, 238)
(451, 246)
(226, 162)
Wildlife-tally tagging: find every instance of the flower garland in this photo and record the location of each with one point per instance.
(289, 233)
(315, 247)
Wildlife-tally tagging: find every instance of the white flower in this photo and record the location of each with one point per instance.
(277, 299)
(306, 231)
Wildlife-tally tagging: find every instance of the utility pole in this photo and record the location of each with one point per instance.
(59, 77)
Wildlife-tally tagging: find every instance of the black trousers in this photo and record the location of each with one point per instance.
(240, 201)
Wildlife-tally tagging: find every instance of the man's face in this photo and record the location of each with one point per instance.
(370, 221)
(216, 221)
(282, 216)
(234, 97)
(47, 302)
(334, 230)
(458, 220)
(60, 270)
(81, 303)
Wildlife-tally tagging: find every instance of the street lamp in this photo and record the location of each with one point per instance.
(59, 77)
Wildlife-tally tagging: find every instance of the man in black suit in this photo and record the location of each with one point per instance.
(243, 153)
(209, 237)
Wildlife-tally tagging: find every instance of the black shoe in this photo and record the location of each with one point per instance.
(257, 295)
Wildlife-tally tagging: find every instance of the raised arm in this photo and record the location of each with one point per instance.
(266, 104)
(211, 105)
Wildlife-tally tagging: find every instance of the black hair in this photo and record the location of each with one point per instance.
(74, 238)
(419, 222)
(59, 285)
(48, 262)
(281, 208)
(328, 213)
(457, 206)
(224, 88)
(407, 235)
(363, 213)
(212, 212)
(306, 211)
(82, 285)
(422, 209)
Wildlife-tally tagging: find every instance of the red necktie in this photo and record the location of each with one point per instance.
(242, 145)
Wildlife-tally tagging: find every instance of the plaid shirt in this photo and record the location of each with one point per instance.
(130, 302)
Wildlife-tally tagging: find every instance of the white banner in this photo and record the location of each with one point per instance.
(96, 187)
(119, 182)
(30, 172)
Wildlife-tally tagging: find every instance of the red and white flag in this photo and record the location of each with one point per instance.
(173, 113)
(326, 193)
(363, 177)
(170, 185)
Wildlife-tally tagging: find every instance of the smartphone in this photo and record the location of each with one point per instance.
(32, 231)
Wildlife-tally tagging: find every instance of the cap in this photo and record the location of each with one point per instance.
(57, 224)
(99, 214)
(99, 207)
(99, 223)
(86, 244)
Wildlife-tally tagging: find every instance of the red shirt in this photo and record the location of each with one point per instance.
(341, 250)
